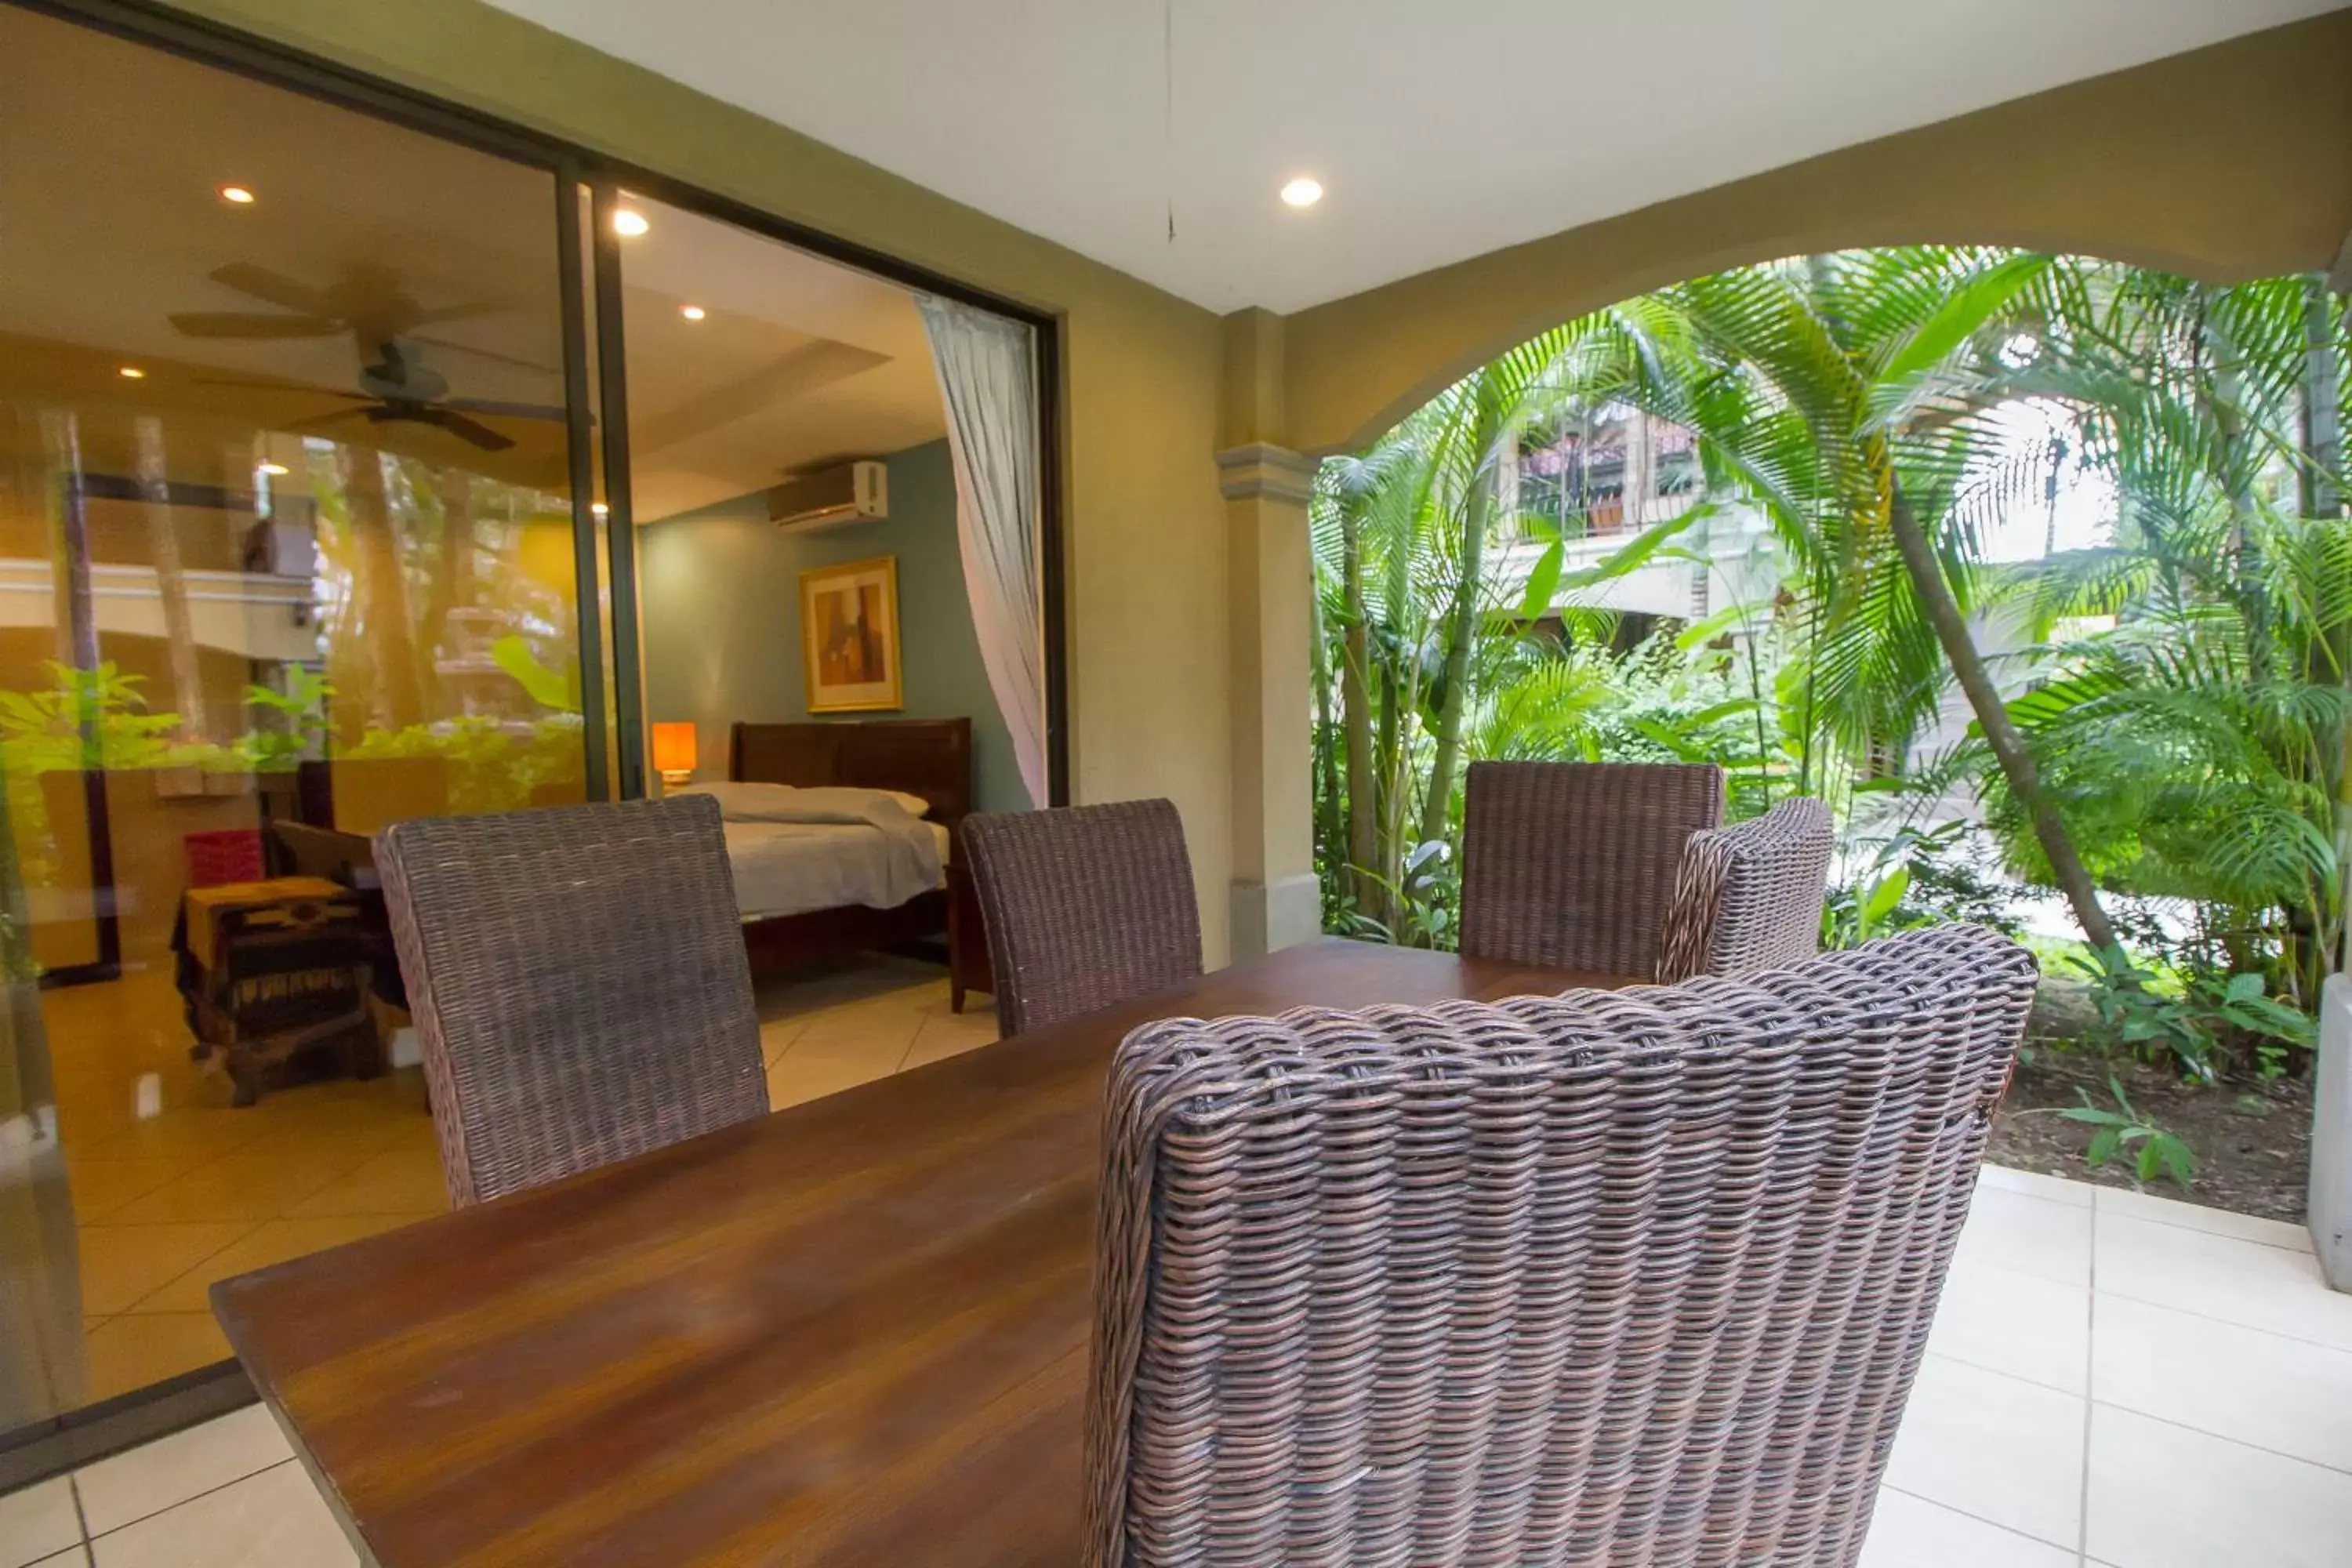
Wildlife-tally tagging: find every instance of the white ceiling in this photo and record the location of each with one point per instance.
(1441, 131)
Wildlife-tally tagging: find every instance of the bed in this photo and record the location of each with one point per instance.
(777, 866)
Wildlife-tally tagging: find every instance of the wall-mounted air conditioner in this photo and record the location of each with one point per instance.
(830, 497)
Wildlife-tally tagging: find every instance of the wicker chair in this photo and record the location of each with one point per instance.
(1570, 864)
(1085, 906)
(578, 980)
(1749, 896)
(1608, 1277)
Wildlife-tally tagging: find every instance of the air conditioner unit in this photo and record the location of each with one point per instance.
(830, 497)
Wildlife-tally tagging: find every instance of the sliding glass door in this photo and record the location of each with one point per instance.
(291, 409)
(316, 497)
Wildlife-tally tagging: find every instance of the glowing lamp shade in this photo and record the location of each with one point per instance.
(674, 753)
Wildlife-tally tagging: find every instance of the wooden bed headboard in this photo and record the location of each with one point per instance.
(928, 757)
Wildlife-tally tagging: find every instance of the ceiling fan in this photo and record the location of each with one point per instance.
(396, 385)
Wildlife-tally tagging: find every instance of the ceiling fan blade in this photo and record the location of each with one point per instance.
(456, 424)
(454, 346)
(275, 288)
(251, 324)
(503, 410)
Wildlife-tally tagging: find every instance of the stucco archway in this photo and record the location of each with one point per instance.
(2226, 163)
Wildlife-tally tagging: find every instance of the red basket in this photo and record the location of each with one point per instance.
(231, 855)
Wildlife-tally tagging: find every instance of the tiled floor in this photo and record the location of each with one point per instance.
(167, 1204)
(2115, 1381)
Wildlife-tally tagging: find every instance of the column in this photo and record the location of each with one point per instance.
(1276, 901)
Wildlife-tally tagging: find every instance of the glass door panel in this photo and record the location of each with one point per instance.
(286, 553)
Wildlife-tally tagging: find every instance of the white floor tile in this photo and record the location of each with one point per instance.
(1996, 1448)
(2165, 1497)
(2021, 1324)
(1908, 1532)
(2197, 1217)
(172, 1469)
(74, 1557)
(2033, 1185)
(2032, 1235)
(274, 1519)
(38, 1522)
(2241, 1282)
(2288, 1396)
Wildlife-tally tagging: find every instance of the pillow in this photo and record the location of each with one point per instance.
(744, 801)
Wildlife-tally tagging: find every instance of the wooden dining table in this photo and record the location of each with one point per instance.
(851, 1332)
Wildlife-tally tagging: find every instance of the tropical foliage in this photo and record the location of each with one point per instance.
(2143, 731)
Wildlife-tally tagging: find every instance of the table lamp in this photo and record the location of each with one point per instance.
(674, 754)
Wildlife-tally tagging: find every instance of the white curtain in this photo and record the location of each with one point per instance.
(988, 377)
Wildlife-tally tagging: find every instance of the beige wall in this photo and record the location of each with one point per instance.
(2229, 163)
(1146, 554)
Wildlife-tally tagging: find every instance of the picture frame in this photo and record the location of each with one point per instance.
(849, 636)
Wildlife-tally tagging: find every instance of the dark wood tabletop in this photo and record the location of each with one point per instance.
(853, 1333)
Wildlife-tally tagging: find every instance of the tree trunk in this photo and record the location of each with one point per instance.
(1331, 824)
(2233, 465)
(452, 583)
(1356, 705)
(1391, 765)
(1468, 595)
(2323, 451)
(170, 582)
(382, 592)
(1927, 570)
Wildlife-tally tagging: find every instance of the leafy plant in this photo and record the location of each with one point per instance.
(556, 689)
(2137, 1017)
(2124, 1131)
(301, 708)
(2198, 1026)
(493, 766)
(2272, 1028)
(1423, 904)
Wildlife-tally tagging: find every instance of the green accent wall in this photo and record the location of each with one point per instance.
(720, 591)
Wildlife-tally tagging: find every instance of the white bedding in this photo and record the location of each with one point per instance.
(795, 850)
(791, 867)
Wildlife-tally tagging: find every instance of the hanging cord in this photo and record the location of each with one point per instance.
(1168, 106)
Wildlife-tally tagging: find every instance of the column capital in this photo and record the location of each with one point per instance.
(1259, 469)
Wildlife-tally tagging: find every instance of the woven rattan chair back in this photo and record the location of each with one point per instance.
(1571, 864)
(1638, 1277)
(1749, 896)
(579, 984)
(1085, 906)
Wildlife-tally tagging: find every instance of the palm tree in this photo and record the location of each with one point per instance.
(2199, 747)
(1847, 396)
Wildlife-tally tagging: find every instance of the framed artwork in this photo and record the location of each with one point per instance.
(850, 636)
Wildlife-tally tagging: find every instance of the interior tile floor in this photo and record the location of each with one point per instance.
(168, 1203)
(2115, 1381)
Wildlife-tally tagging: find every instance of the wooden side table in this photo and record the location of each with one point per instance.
(967, 965)
(272, 969)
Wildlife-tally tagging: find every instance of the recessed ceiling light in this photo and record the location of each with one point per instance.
(131, 372)
(599, 508)
(629, 223)
(275, 470)
(236, 195)
(692, 313)
(1303, 192)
